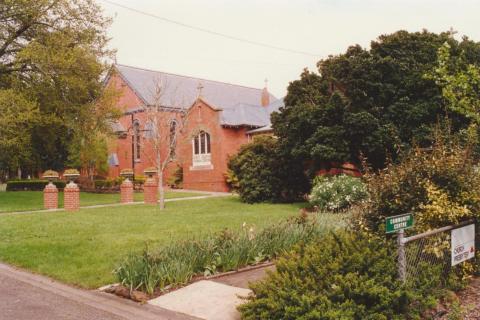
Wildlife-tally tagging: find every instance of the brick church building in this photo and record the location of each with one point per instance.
(220, 118)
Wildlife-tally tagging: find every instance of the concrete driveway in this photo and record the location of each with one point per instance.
(25, 296)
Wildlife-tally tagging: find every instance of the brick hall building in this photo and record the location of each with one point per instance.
(221, 117)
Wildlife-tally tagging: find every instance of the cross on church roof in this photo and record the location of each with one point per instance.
(199, 88)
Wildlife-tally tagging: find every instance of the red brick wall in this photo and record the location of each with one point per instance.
(50, 196)
(123, 147)
(71, 200)
(335, 168)
(126, 191)
(150, 190)
(224, 143)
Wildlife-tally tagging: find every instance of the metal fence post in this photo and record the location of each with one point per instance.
(402, 263)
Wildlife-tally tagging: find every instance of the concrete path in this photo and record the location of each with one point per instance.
(209, 195)
(213, 193)
(242, 279)
(204, 299)
(25, 296)
(213, 299)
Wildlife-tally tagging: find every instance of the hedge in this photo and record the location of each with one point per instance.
(31, 185)
(116, 182)
(264, 174)
(341, 276)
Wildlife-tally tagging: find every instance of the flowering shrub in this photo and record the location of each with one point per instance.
(337, 192)
(50, 174)
(71, 171)
(439, 185)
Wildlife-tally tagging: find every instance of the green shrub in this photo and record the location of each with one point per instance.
(232, 180)
(178, 262)
(139, 180)
(264, 174)
(114, 183)
(334, 193)
(340, 276)
(176, 179)
(439, 185)
(32, 185)
(103, 184)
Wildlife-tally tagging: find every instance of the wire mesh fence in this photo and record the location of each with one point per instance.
(425, 252)
(429, 250)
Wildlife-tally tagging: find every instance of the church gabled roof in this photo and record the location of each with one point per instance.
(249, 115)
(245, 115)
(181, 91)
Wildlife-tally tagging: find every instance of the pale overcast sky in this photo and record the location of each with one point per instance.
(319, 27)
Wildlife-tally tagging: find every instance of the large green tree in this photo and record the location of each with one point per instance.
(18, 116)
(372, 102)
(53, 54)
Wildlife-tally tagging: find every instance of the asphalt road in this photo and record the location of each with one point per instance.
(19, 301)
(25, 296)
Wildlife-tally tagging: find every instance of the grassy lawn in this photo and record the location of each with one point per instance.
(83, 248)
(33, 200)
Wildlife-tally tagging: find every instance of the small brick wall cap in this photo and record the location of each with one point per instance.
(126, 183)
(50, 187)
(71, 187)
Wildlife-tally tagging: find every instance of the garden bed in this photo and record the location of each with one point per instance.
(140, 296)
(155, 270)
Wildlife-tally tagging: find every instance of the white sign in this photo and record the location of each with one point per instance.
(463, 244)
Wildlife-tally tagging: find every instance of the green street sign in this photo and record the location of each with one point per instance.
(396, 223)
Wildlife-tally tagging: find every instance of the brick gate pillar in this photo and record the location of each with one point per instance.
(126, 191)
(150, 190)
(71, 198)
(50, 196)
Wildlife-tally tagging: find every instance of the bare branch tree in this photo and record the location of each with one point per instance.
(163, 127)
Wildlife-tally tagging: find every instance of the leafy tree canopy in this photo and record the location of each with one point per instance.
(374, 102)
(53, 53)
(17, 115)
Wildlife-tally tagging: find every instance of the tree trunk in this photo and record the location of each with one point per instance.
(161, 191)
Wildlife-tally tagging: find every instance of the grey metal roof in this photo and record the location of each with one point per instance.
(261, 130)
(117, 127)
(181, 91)
(250, 115)
(245, 115)
(275, 106)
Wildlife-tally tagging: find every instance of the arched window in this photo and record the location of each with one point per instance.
(173, 138)
(136, 140)
(201, 149)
